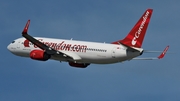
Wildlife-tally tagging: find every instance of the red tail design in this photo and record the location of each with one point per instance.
(136, 35)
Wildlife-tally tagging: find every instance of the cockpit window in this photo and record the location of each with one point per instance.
(12, 41)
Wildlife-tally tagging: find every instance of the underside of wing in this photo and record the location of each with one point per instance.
(48, 50)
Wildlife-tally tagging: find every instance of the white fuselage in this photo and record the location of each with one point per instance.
(89, 52)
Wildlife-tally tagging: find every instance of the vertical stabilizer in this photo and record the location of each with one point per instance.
(136, 35)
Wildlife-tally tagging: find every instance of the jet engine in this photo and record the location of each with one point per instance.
(39, 55)
(79, 65)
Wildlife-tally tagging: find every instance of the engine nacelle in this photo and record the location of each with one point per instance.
(39, 55)
(79, 65)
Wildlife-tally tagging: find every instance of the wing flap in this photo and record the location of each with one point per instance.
(72, 55)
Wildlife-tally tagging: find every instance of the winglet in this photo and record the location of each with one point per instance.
(26, 27)
(163, 53)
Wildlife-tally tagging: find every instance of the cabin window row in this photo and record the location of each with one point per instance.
(100, 50)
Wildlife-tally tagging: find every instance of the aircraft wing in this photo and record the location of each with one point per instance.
(159, 57)
(46, 48)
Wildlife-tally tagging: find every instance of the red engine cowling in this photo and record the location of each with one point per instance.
(79, 65)
(39, 55)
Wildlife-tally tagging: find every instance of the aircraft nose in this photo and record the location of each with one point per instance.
(9, 47)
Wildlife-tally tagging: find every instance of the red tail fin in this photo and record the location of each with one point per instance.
(136, 35)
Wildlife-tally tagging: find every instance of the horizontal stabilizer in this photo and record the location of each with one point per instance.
(159, 57)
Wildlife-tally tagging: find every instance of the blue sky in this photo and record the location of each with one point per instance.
(23, 79)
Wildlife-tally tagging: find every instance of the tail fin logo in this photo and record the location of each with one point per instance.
(137, 34)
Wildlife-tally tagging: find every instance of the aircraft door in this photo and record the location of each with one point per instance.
(113, 52)
(18, 44)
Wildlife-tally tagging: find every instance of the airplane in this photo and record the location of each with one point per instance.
(81, 54)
